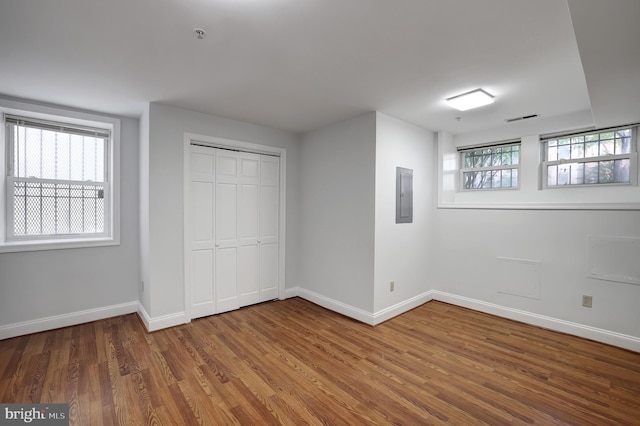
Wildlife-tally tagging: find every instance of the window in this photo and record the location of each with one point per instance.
(595, 158)
(58, 182)
(490, 167)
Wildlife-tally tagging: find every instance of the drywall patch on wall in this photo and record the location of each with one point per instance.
(519, 277)
(613, 259)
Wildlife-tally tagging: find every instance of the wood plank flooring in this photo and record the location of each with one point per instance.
(292, 362)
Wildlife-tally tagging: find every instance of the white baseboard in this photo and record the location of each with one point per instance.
(337, 306)
(164, 321)
(179, 318)
(402, 307)
(291, 292)
(66, 320)
(575, 329)
(361, 314)
(580, 330)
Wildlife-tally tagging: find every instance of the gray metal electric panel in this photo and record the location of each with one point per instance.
(404, 195)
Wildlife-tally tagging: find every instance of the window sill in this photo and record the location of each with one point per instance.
(539, 206)
(20, 246)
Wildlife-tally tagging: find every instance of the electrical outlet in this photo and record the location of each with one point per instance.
(392, 285)
(587, 301)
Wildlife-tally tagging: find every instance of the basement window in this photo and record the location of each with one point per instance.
(605, 157)
(58, 183)
(493, 166)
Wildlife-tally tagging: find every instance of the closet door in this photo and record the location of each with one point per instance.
(233, 236)
(268, 225)
(201, 250)
(226, 230)
(248, 240)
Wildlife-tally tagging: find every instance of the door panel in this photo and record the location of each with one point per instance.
(269, 170)
(248, 214)
(226, 279)
(248, 275)
(269, 214)
(202, 274)
(268, 271)
(202, 196)
(226, 214)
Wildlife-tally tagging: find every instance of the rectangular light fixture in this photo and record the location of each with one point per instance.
(473, 99)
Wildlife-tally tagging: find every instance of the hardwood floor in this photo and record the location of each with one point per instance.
(292, 362)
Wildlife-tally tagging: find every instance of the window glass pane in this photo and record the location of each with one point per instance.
(605, 172)
(563, 174)
(552, 175)
(625, 142)
(607, 147)
(591, 172)
(591, 149)
(506, 157)
(506, 179)
(577, 150)
(552, 153)
(564, 152)
(621, 171)
(577, 139)
(607, 135)
(515, 156)
(577, 173)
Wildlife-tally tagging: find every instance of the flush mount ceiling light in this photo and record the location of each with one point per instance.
(473, 99)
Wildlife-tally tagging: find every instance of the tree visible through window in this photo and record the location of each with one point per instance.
(57, 183)
(589, 159)
(491, 167)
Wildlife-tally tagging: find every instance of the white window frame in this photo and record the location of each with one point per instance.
(632, 156)
(71, 118)
(464, 150)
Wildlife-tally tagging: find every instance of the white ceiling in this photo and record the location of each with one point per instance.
(300, 64)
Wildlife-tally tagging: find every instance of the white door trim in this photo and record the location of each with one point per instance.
(215, 142)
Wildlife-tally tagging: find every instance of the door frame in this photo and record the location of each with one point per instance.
(216, 142)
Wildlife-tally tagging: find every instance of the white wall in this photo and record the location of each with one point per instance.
(548, 231)
(63, 284)
(337, 164)
(470, 241)
(403, 251)
(165, 268)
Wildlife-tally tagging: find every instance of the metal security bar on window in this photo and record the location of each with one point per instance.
(57, 181)
(597, 158)
(490, 167)
(45, 208)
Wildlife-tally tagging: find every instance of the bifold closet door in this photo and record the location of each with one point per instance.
(237, 221)
(202, 241)
(268, 226)
(234, 217)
